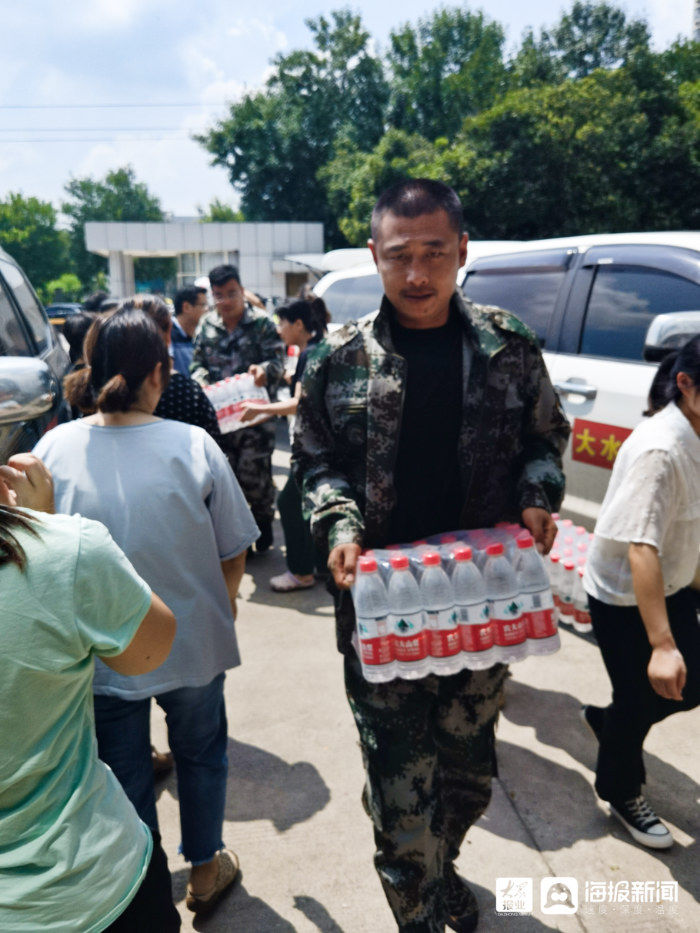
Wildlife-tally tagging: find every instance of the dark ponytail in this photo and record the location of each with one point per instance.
(121, 349)
(11, 551)
(312, 313)
(664, 388)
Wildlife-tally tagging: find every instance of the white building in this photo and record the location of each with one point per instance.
(257, 249)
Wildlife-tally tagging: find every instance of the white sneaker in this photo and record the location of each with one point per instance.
(642, 823)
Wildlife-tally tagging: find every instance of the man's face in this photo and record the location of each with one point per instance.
(230, 301)
(194, 312)
(418, 259)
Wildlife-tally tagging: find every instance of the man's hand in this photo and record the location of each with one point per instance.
(541, 526)
(26, 482)
(342, 562)
(667, 672)
(258, 373)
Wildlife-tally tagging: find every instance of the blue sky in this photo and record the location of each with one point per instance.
(100, 52)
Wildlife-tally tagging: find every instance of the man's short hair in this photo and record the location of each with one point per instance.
(188, 294)
(220, 275)
(414, 197)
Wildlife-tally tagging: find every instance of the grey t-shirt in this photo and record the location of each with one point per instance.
(171, 502)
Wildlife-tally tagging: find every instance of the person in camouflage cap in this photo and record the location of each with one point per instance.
(236, 338)
(430, 415)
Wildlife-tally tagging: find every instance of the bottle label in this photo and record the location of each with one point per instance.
(377, 650)
(566, 606)
(538, 609)
(443, 629)
(582, 616)
(410, 638)
(477, 637)
(373, 628)
(474, 614)
(508, 621)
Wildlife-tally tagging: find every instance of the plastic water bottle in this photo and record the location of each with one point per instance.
(566, 595)
(437, 597)
(554, 571)
(538, 605)
(505, 605)
(582, 617)
(411, 645)
(474, 615)
(376, 648)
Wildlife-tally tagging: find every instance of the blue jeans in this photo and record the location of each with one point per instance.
(197, 732)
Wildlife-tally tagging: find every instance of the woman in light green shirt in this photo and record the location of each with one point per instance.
(74, 855)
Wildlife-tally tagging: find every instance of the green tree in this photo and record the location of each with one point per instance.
(274, 142)
(354, 179)
(116, 197)
(220, 212)
(445, 68)
(595, 35)
(29, 234)
(66, 287)
(601, 153)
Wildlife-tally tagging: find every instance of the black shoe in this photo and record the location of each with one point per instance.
(461, 903)
(264, 542)
(642, 823)
(593, 718)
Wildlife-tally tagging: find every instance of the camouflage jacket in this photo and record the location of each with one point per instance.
(219, 353)
(348, 421)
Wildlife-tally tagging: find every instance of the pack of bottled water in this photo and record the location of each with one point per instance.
(566, 564)
(467, 599)
(228, 396)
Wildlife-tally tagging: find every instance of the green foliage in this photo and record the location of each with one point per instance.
(28, 232)
(66, 287)
(595, 35)
(274, 142)
(220, 212)
(444, 69)
(116, 197)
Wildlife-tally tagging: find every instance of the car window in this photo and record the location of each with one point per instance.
(350, 299)
(527, 284)
(13, 340)
(623, 302)
(27, 301)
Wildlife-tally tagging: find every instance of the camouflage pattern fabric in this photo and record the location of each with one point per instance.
(428, 751)
(348, 421)
(249, 452)
(218, 353)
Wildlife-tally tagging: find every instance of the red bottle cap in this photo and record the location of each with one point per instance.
(448, 539)
(568, 565)
(367, 564)
(431, 558)
(399, 562)
(554, 558)
(494, 550)
(525, 541)
(581, 571)
(462, 553)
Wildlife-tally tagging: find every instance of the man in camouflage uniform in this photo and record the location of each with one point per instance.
(469, 390)
(236, 338)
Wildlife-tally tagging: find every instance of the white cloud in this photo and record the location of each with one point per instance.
(273, 37)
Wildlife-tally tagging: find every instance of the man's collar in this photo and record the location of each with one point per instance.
(482, 334)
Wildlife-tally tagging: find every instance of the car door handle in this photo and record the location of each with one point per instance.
(577, 388)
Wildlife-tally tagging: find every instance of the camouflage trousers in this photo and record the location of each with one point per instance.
(249, 452)
(429, 753)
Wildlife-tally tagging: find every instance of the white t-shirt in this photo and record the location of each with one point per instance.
(170, 500)
(653, 498)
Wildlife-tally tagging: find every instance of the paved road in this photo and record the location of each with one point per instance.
(295, 777)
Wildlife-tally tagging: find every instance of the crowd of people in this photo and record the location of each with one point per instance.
(433, 414)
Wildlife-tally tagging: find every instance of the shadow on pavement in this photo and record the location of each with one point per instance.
(316, 913)
(262, 786)
(237, 910)
(573, 810)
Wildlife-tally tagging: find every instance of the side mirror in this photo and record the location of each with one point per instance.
(669, 332)
(27, 389)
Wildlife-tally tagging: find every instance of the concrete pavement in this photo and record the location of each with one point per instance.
(294, 815)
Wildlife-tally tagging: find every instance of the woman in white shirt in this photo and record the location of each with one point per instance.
(642, 562)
